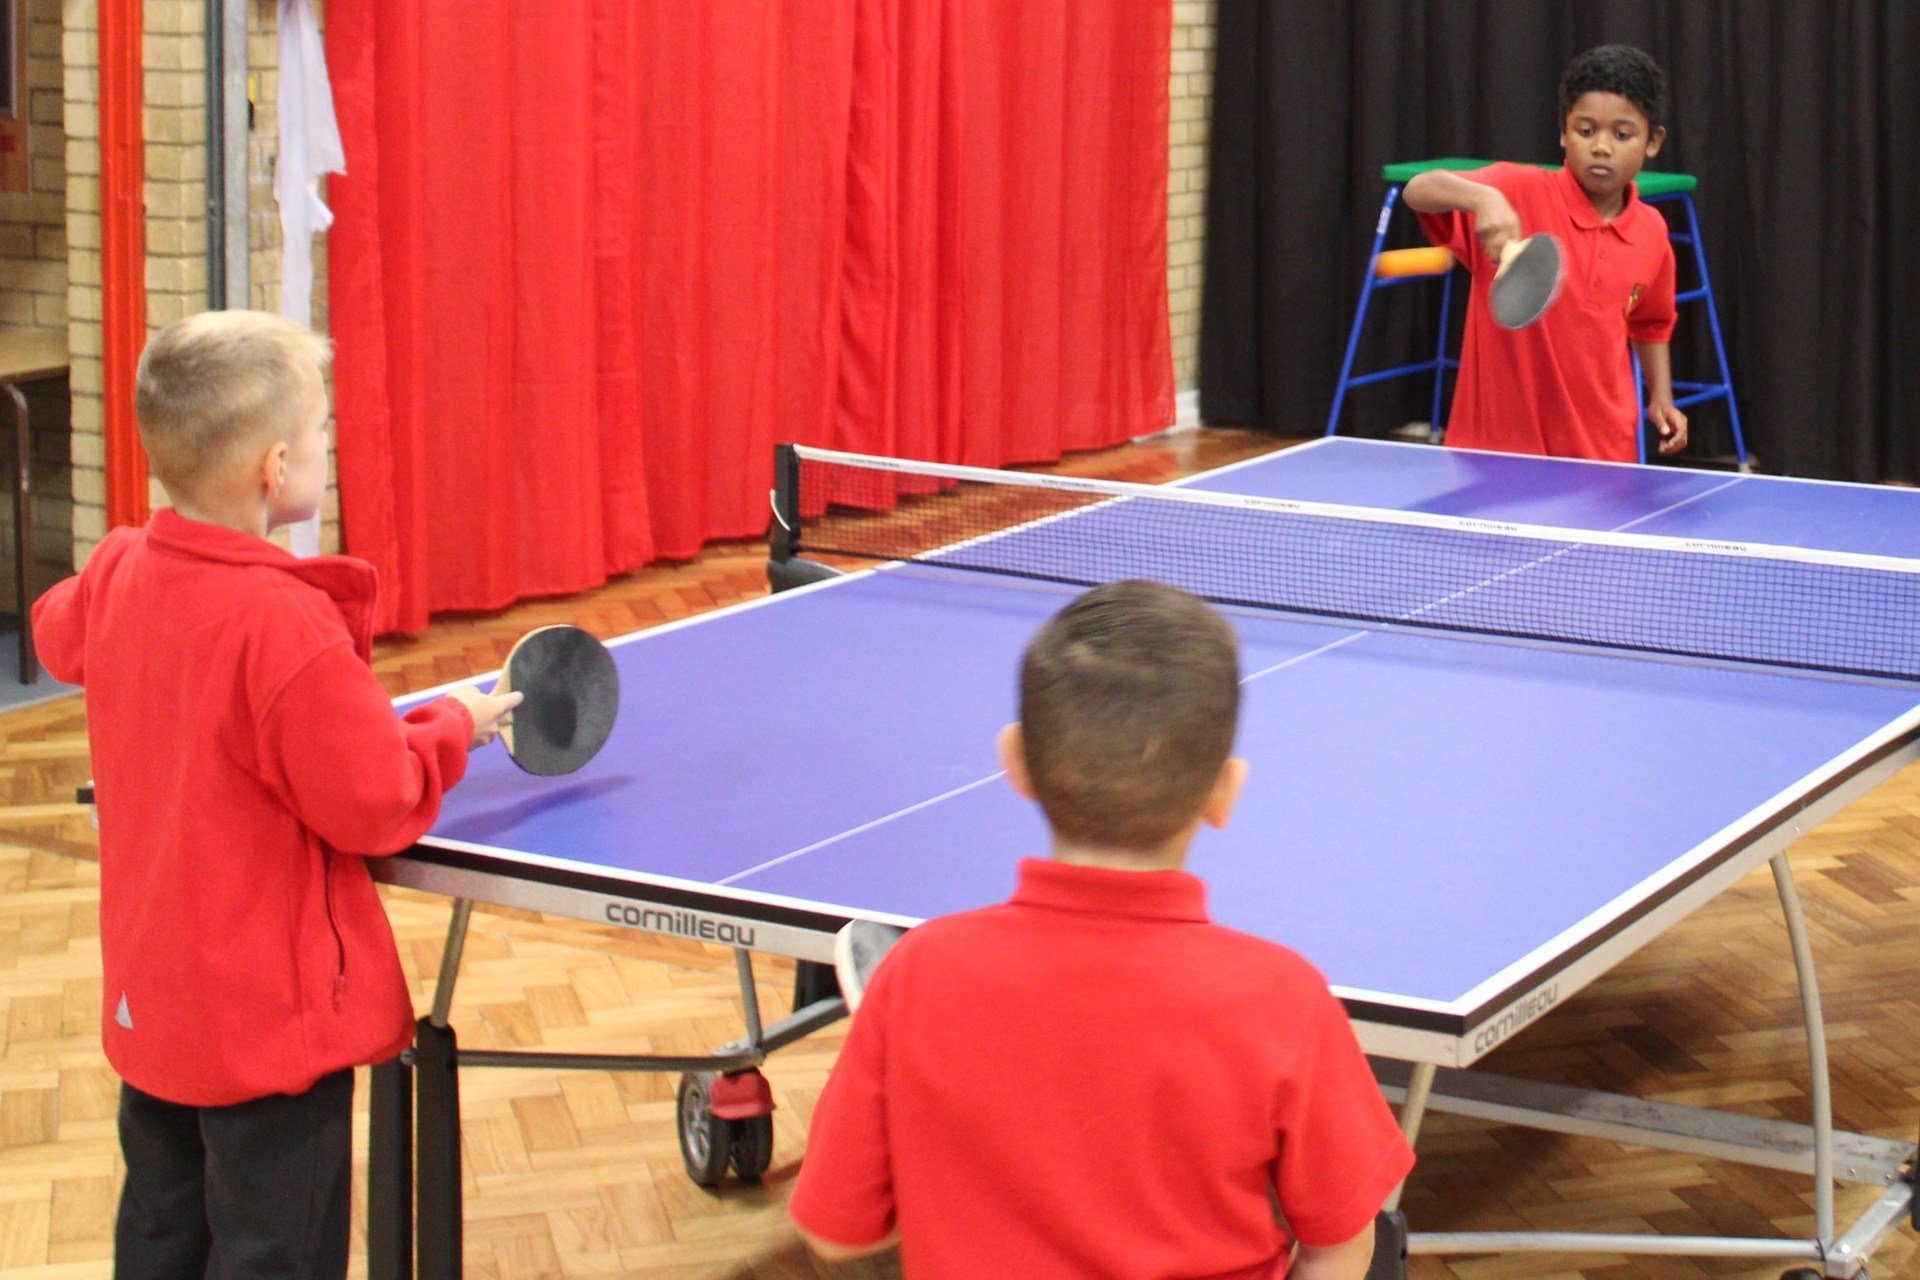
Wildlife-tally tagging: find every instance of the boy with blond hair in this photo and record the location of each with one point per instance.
(247, 763)
(1092, 1079)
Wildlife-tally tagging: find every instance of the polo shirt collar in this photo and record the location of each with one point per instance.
(1145, 895)
(1579, 204)
(350, 583)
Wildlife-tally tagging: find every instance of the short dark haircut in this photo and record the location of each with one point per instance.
(1621, 69)
(1129, 698)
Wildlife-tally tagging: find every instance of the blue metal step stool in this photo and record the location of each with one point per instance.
(1389, 268)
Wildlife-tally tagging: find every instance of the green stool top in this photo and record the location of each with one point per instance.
(1651, 185)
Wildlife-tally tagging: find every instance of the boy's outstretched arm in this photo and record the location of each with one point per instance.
(365, 781)
(1346, 1261)
(1656, 365)
(1438, 191)
(59, 624)
(843, 1204)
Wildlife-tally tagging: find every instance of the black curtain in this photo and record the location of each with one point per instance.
(1798, 118)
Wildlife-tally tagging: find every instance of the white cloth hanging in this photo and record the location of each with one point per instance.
(309, 149)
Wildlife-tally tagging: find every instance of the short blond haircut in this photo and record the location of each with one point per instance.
(215, 384)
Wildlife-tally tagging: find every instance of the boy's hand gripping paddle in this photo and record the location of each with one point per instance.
(1526, 282)
(571, 695)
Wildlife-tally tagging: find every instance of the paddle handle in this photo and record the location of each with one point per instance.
(501, 687)
(1513, 249)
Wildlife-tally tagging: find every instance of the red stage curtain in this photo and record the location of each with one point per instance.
(592, 259)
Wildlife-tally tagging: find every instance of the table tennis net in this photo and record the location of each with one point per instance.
(1833, 612)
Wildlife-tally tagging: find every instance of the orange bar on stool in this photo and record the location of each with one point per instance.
(1428, 261)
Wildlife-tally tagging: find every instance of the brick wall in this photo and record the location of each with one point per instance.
(81, 79)
(1190, 94)
(174, 65)
(33, 223)
(174, 62)
(33, 283)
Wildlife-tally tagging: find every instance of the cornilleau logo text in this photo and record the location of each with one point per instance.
(685, 924)
(1517, 1016)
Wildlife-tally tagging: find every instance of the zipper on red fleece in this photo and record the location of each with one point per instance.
(339, 943)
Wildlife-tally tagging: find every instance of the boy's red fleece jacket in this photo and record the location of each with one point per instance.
(246, 762)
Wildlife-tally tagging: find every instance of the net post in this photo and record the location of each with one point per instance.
(783, 534)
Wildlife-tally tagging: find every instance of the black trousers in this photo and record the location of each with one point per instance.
(258, 1189)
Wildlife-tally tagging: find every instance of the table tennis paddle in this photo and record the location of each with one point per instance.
(570, 694)
(1526, 282)
(857, 950)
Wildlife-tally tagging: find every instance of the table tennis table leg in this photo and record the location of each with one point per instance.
(1412, 1111)
(436, 1066)
(1816, 1028)
(390, 1172)
(1389, 1246)
(814, 982)
(1834, 1256)
(438, 1206)
(1390, 1225)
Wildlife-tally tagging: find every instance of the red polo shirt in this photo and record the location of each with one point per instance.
(1092, 1080)
(1563, 385)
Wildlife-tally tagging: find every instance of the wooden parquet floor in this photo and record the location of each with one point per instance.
(578, 1174)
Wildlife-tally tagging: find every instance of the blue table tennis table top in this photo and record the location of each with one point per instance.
(1434, 820)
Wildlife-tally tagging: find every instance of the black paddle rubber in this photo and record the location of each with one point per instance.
(571, 695)
(1527, 283)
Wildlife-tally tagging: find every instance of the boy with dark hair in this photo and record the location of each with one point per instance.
(1563, 385)
(248, 761)
(1092, 1080)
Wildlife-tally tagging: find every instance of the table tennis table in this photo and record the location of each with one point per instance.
(1462, 829)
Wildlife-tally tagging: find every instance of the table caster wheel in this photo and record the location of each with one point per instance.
(751, 1150)
(706, 1141)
